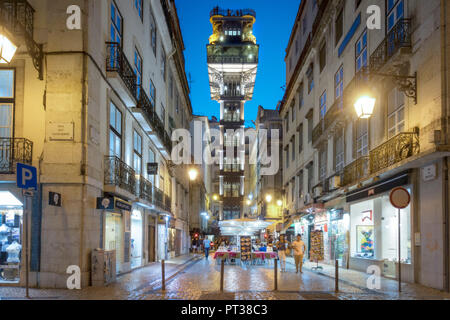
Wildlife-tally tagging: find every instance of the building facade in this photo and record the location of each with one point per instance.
(338, 166)
(232, 64)
(96, 120)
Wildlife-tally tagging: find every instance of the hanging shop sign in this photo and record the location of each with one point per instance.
(152, 168)
(400, 198)
(111, 203)
(54, 199)
(336, 215)
(162, 219)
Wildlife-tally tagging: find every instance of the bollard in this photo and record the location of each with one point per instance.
(336, 276)
(222, 267)
(276, 274)
(163, 276)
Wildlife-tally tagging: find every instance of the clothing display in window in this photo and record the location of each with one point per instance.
(316, 252)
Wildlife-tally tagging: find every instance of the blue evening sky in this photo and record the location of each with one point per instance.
(274, 21)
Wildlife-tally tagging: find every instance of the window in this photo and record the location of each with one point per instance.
(151, 159)
(137, 159)
(163, 64)
(287, 156)
(300, 138)
(323, 104)
(310, 75)
(293, 148)
(293, 110)
(339, 87)
(177, 102)
(300, 184)
(362, 138)
(361, 51)
(139, 4)
(339, 151)
(286, 121)
(7, 99)
(115, 131)
(310, 169)
(300, 96)
(116, 24)
(396, 112)
(138, 71)
(310, 128)
(293, 190)
(396, 11)
(339, 26)
(153, 33)
(305, 25)
(163, 115)
(323, 163)
(323, 56)
(170, 85)
(152, 93)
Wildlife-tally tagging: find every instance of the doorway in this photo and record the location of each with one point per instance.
(151, 244)
(114, 237)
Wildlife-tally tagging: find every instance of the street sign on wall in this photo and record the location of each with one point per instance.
(400, 198)
(26, 176)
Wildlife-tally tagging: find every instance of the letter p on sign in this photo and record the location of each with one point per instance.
(26, 177)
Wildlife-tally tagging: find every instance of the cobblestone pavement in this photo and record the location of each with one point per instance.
(193, 277)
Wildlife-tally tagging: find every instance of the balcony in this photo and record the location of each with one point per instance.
(233, 54)
(356, 171)
(397, 42)
(146, 114)
(318, 132)
(17, 17)
(121, 73)
(232, 13)
(119, 174)
(167, 203)
(393, 151)
(13, 151)
(145, 189)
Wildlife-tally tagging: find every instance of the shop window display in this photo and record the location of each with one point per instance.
(10, 244)
(136, 239)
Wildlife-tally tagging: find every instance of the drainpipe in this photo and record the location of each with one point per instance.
(445, 113)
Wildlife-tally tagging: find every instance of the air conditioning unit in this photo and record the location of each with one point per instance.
(334, 182)
(318, 191)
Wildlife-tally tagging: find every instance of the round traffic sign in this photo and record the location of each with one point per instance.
(400, 198)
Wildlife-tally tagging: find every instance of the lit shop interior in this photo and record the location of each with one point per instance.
(11, 212)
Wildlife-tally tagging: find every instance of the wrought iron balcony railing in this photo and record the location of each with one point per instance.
(317, 132)
(116, 61)
(118, 173)
(13, 151)
(232, 59)
(17, 17)
(399, 37)
(167, 203)
(158, 197)
(401, 147)
(355, 171)
(145, 189)
(227, 12)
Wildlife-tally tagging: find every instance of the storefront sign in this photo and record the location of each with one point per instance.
(400, 198)
(162, 219)
(336, 215)
(429, 173)
(54, 199)
(120, 204)
(105, 203)
(152, 168)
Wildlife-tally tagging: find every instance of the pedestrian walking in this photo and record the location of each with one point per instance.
(281, 248)
(207, 246)
(299, 250)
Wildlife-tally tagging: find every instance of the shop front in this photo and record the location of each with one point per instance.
(117, 230)
(374, 231)
(137, 237)
(163, 237)
(338, 237)
(11, 222)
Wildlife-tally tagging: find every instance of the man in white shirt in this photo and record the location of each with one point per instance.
(299, 250)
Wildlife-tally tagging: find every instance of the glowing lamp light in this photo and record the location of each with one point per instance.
(269, 198)
(364, 107)
(193, 173)
(215, 197)
(7, 49)
(279, 203)
(249, 202)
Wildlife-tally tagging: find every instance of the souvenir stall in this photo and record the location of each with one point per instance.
(316, 253)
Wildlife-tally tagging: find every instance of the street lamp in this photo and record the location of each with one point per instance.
(7, 49)
(193, 173)
(268, 198)
(249, 202)
(364, 106)
(280, 203)
(215, 197)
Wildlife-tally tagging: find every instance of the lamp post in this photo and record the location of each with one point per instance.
(7, 49)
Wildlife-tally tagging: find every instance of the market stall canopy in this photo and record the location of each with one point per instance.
(242, 227)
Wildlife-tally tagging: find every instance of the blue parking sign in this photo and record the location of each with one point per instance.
(26, 176)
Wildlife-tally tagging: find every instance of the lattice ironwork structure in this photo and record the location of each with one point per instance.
(13, 151)
(17, 17)
(145, 189)
(356, 171)
(118, 173)
(116, 61)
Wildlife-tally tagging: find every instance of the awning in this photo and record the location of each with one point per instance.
(242, 227)
(7, 199)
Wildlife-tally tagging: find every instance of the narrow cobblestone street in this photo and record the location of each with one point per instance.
(195, 278)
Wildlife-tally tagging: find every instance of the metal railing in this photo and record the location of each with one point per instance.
(355, 171)
(167, 203)
(219, 58)
(145, 189)
(401, 147)
(228, 13)
(317, 132)
(399, 37)
(119, 174)
(13, 151)
(158, 197)
(116, 61)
